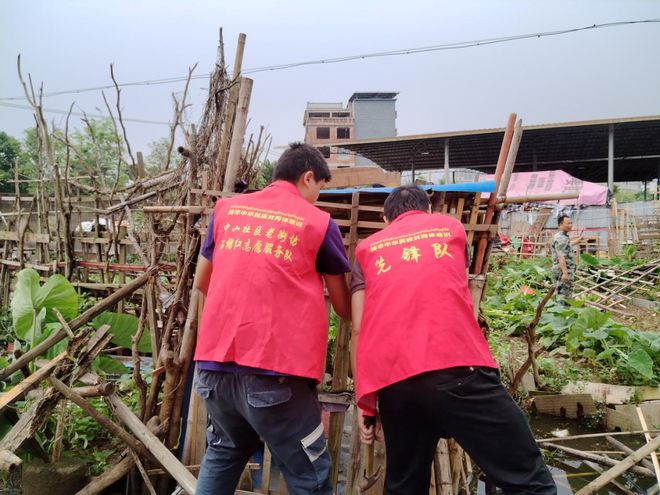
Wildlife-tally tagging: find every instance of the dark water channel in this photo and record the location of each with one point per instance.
(572, 474)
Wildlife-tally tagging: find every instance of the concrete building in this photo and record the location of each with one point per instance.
(375, 117)
(330, 122)
(367, 115)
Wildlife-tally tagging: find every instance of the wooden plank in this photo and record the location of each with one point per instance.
(565, 405)
(27, 384)
(29, 236)
(362, 176)
(601, 392)
(625, 418)
(474, 214)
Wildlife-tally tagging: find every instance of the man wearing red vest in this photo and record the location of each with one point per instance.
(263, 332)
(422, 361)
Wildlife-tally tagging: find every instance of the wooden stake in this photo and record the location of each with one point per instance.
(654, 456)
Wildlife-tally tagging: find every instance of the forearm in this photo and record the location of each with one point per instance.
(203, 275)
(357, 303)
(339, 295)
(562, 264)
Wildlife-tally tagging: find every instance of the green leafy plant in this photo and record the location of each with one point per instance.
(123, 327)
(33, 317)
(32, 304)
(590, 339)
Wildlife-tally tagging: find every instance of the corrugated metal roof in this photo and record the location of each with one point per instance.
(579, 148)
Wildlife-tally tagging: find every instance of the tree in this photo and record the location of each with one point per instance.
(157, 156)
(265, 174)
(93, 152)
(10, 152)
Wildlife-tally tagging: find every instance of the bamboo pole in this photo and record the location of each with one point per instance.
(620, 467)
(164, 457)
(627, 450)
(647, 436)
(510, 160)
(606, 461)
(490, 211)
(532, 198)
(237, 135)
(228, 122)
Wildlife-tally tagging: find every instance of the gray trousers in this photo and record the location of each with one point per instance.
(283, 411)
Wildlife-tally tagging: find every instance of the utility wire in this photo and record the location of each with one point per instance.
(392, 53)
(66, 112)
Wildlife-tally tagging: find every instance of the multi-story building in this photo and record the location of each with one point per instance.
(327, 123)
(367, 115)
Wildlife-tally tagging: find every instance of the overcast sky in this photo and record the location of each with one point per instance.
(613, 72)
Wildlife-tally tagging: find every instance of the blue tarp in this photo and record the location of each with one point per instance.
(485, 186)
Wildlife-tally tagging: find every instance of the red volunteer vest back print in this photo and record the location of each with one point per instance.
(265, 306)
(418, 312)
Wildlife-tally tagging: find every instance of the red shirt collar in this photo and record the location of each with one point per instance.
(407, 214)
(286, 185)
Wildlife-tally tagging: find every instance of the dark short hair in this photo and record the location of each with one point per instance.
(561, 218)
(405, 198)
(297, 160)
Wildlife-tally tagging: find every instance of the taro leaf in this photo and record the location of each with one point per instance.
(32, 305)
(109, 366)
(589, 259)
(589, 354)
(641, 362)
(57, 293)
(606, 354)
(22, 309)
(600, 334)
(122, 328)
(573, 339)
(591, 319)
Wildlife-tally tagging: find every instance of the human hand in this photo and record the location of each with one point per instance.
(369, 429)
(565, 277)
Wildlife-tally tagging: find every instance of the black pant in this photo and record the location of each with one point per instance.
(471, 406)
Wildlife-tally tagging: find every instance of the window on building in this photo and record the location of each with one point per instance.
(325, 151)
(341, 114)
(343, 133)
(313, 115)
(322, 133)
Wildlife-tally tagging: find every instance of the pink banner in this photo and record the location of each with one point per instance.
(554, 181)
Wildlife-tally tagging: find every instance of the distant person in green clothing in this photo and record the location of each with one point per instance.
(563, 258)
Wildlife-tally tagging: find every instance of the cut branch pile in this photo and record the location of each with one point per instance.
(157, 288)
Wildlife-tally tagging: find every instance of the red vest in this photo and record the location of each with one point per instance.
(418, 313)
(265, 306)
